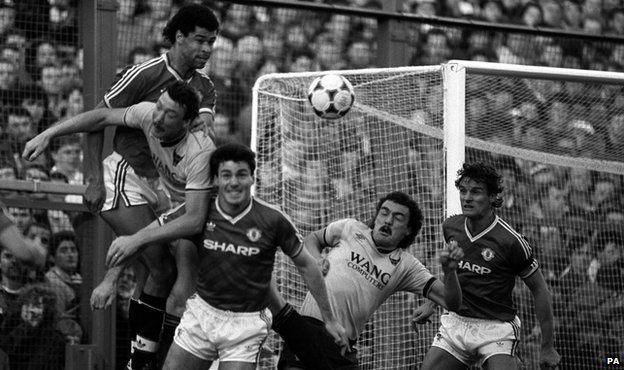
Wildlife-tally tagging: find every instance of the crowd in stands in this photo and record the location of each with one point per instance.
(570, 214)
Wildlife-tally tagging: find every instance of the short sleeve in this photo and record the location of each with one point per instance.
(140, 116)
(416, 276)
(288, 237)
(198, 175)
(127, 89)
(333, 231)
(208, 94)
(523, 262)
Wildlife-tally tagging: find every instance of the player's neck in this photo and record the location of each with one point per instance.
(176, 62)
(231, 209)
(477, 225)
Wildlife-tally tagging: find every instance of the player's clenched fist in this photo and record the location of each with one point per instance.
(450, 256)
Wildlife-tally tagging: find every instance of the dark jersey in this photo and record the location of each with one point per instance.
(146, 82)
(487, 272)
(236, 255)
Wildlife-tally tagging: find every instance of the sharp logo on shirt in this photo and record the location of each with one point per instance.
(240, 250)
(254, 234)
(373, 274)
(474, 268)
(176, 158)
(487, 254)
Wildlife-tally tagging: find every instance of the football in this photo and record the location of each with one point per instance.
(331, 96)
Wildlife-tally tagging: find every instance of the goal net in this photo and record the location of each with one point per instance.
(410, 130)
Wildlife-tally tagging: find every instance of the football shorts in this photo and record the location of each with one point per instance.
(210, 333)
(123, 184)
(473, 340)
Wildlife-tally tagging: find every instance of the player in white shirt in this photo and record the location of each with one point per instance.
(365, 265)
(182, 160)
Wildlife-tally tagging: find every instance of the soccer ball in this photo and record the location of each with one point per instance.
(331, 96)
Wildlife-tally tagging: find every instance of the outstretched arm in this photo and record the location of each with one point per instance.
(22, 249)
(95, 193)
(544, 313)
(93, 120)
(313, 277)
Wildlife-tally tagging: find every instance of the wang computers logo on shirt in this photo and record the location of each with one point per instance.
(254, 234)
(487, 254)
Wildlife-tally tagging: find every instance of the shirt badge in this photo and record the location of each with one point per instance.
(487, 254)
(254, 234)
(210, 226)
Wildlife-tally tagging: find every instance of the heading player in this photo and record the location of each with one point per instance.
(182, 159)
(228, 317)
(365, 265)
(485, 328)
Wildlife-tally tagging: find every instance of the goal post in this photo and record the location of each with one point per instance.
(549, 131)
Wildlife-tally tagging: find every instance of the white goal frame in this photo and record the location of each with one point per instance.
(454, 86)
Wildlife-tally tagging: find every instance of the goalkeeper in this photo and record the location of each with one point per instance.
(364, 266)
(485, 328)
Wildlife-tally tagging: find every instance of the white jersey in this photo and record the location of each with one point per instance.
(360, 278)
(183, 165)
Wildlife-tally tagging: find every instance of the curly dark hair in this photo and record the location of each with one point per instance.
(486, 174)
(185, 95)
(415, 217)
(189, 17)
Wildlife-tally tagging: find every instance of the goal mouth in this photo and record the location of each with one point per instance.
(547, 130)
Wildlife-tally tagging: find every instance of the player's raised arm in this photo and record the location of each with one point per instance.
(92, 120)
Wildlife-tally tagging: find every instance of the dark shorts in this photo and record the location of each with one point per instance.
(308, 345)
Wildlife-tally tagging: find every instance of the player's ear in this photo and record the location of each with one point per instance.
(179, 35)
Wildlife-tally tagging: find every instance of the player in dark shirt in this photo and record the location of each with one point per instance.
(485, 329)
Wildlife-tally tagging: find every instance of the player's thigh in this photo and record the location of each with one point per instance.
(235, 365)
(179, 358)
(437, 358)
(501, 361)
(128, 220)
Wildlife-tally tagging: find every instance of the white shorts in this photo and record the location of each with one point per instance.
(473, 340)
(210, 333)
(122, 183)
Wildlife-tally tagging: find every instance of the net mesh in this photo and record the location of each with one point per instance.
(320, 171)
(555, 143)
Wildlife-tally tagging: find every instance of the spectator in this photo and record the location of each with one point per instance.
(492, 11)
(123, 335)
(434, 49)
(66, 154)
(552, 55)
(19, 129)
(22, 217)
(40, 232)
(592, 25)
(63, 276)
(553, 13)
(604, 194)
(302, 62)
(572, 15)
(8, 81)
(70, 76)
(579, 188)
(615, 137)
(140, 54)
(36, 172)
(41, 53)
(7, 172)
(50, 80)
(592, 8)
(7, 17)
(35, 100)
(328, 52)
(13, 280)
(532, 15)
(35, 343)
(134, 19)
(360, 54)
(339, 26)
(13, 53)
(238, 22)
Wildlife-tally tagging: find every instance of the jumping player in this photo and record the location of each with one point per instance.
(365, 265)
(485, 328)
(182, 158)
(124, 187)
(228, 317)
